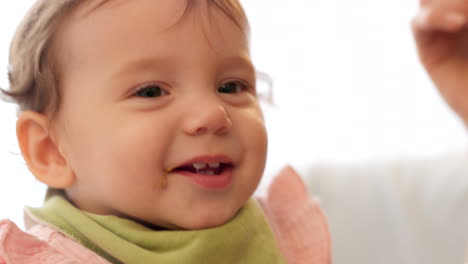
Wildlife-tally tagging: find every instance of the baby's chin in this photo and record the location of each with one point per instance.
(205, 222)
(194, 223)
(205, 217)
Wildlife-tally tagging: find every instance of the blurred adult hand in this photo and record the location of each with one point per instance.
(441, 34)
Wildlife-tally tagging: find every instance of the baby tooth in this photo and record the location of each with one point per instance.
(214, 165)
(199, 165)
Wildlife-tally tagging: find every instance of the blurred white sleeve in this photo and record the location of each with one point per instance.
(407, 211)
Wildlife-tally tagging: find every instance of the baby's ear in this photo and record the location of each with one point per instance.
(41, 153)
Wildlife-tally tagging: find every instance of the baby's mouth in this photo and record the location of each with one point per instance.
(215, 168)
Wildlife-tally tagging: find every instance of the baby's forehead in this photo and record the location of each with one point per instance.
(91, 7)
(120, 31)
(157, 16)
(87, 7)
(231, 8)
(165, 13)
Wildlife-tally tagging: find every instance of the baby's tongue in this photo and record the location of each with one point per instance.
(208, 171)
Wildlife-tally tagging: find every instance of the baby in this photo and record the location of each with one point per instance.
(142, 118)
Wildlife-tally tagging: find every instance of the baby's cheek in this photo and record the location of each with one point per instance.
(258, 129)
(255, 139)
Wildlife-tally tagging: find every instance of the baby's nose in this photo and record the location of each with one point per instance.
(208, 117)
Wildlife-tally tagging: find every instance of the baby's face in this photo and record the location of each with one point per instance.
(148, 95)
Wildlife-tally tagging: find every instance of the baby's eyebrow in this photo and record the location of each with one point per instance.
(235, 62)
(143, 64)
(243, 62)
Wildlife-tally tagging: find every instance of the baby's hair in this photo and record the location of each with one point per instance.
(32, 77)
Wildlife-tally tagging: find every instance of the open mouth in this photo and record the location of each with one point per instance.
(215, 168)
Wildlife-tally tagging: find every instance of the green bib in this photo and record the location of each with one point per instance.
(247, 238)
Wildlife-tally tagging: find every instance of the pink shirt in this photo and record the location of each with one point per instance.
(299, 226)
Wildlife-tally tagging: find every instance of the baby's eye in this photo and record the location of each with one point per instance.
(150, 91)
(232, 87)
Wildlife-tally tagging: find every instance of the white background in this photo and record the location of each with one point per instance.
(348, 88)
